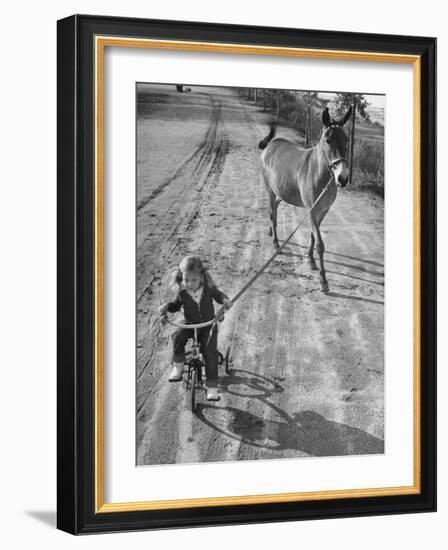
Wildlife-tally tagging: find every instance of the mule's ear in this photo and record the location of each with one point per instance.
(326, 117)
(348, 114)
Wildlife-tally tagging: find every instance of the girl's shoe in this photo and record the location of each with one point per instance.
(176, 373)
(212, 394)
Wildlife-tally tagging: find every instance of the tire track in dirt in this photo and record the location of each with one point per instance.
(253, 248)
(154, 395)
(333, 428)
(274, 432)
(353, 331)
(236, 388)
(176, 216)
(211, 444)
(251, 423)
(256, 424)
(199, 154)
(247, 255)
(153, 250)
(352, 359)
(148, 440)
(200, 236)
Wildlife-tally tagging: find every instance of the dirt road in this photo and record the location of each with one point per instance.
(307, 368)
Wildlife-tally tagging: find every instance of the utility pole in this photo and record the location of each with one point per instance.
(307, 119)
(310, 118)
(352, 139)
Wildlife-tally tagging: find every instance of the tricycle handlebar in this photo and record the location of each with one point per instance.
(197, 325)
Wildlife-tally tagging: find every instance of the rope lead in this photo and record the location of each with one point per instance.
(276, 253)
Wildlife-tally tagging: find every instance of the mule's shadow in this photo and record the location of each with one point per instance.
(339, 273)
(356, 298)
(304, 431)
(339, 255)
(342, 264)
(349, 275)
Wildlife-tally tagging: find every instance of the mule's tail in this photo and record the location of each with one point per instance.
(264, 142)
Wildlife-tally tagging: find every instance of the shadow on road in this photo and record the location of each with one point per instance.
(350, 276)
(305, 431)
(249, 384)
(342, 264)
(338, 273)
(352, 297)
(356, 267)
(356, 259)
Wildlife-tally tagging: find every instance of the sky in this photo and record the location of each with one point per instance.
(377, 104)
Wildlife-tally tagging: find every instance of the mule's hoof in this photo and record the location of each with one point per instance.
(313, 265)
(276, 244)
(270, 231)
(324, 287)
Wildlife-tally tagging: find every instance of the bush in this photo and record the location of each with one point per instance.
(368, 162)
(369, 158)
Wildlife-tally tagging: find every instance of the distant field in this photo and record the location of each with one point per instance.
(369, 132)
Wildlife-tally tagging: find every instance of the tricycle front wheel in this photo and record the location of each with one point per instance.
(194, 381)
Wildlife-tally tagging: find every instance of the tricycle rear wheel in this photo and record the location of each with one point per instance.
(227, 361)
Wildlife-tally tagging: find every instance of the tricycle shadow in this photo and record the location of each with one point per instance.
(307, 432)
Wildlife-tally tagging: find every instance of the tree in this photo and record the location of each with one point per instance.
(314, 104)
(359, 105)
(344, 101)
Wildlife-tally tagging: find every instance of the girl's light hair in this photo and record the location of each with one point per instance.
(189, 264)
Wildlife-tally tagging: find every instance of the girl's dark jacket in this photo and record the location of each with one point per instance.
(194, 312)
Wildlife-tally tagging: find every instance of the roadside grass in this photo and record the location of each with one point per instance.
(368, 165)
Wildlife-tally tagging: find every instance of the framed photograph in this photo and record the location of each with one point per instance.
(246, 274)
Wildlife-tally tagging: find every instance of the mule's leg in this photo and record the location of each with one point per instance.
(311, 259)
(273, 206)
(274, 221)
(265, 181)
(316, 220)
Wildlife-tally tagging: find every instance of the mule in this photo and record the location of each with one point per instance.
(298, 176)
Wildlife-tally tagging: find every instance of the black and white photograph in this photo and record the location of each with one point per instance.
(259, 273)
(223, 275)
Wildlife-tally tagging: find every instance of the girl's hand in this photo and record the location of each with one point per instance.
(163, 318)
(163, 309)
(228, 303)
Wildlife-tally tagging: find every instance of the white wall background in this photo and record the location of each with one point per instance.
(28, 272)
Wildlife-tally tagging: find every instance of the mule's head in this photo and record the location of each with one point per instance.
(334, 146)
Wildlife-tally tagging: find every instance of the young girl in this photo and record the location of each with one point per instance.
(195, 294)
